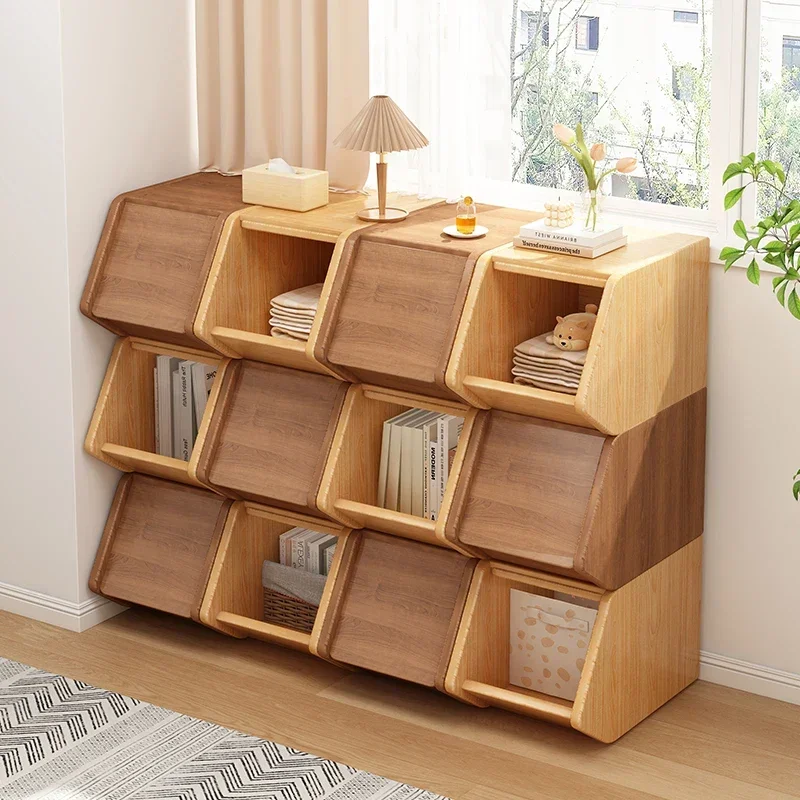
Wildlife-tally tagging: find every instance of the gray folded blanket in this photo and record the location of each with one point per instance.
(293, 582)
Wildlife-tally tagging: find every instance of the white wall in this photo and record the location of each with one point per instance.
(102, 101)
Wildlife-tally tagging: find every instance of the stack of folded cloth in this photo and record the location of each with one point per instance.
(545, 366)
(292, 313)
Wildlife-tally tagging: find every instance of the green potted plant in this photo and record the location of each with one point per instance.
(775, 238)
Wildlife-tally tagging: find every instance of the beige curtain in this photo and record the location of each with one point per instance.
(281, 78)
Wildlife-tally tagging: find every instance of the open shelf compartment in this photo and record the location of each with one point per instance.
(122, 430)
(643, 650)
(158, 545)
(234, 599)
(349, 486)
(395, 607)
(648, 347)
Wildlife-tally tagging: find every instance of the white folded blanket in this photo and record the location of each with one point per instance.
(284, 333)
(306, 298)
(537, 347)
(547, 378)
(551, 387)
(290, 325)
(287, 313)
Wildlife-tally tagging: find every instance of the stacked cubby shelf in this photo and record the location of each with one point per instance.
(597, 495)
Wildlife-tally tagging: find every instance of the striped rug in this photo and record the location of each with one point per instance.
(61, 739)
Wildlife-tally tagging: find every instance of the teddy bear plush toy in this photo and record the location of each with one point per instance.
(574, 332)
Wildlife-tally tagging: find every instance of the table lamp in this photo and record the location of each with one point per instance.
(381, 127)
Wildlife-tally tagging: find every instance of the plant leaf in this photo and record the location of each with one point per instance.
(780, 174)
(732, 198)
(793, 304)
(796, 490)
(754, 273)
(739, 229)
(777, 281)
(730, 252)
(781, 294)
(732, 170)
(775, 246)
(794, 230)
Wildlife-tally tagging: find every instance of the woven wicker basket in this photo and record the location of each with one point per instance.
(289, 612)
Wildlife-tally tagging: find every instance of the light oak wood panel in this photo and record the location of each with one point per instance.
(269, 437)
(154, 256)
(158, 545)
(122, 430)
(396, 607)
(645, 647)
(645, 639)
(234, 599)
(349, 486)
(657, 284)
(708, 742)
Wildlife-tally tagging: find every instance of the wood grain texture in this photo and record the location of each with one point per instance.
(396, 608)
(122, 430)
(709, 742)
(526, 496)
(159, 544)
(567, 499)
(648, 499)
(398, 296)
(658, 284)
(643, 650)
(154, 255)
(234, 599)
(270, 433)
(349, 486)
(645, 647)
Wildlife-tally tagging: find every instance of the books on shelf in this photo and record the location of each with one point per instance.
(181, 391)
(574, 240)
(417, 451)
(307, 550)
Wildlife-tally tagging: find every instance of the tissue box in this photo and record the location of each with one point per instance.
(549, 639)
(301, 191)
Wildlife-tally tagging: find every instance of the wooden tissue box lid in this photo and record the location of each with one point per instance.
(301, 191)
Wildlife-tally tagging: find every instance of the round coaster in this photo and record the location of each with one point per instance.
(479, 231)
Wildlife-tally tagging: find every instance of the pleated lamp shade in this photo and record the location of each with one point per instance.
(381, 127)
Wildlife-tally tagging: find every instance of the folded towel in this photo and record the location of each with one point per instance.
(550, 387)
(548, 368)
(550, 380)
(305, 298)
(289, 313)
(283, 333)
(291, 325)
(293, 582)
(538, 347)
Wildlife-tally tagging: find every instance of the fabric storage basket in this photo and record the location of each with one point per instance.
(291, 596)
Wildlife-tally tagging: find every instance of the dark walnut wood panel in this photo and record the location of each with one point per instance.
(159, 544)
(397, 298)
(270, 434)
(573, 501)
(396, 607)
(155, 254)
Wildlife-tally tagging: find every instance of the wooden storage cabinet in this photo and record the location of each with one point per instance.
(395, 607)
(159, 544)
(648, 350)
(234, 600)
(155, 254)
(570, 500)
(122, 430)
(644, 647)
(270, 434)
(349, 487)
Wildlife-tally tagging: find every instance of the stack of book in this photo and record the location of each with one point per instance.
(574, 240)
(181, 393)
(307, 550)
(292, 313)
(417, 452)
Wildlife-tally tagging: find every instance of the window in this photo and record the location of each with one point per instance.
(594, 98)
(686, 16)
(587, 33)
(530, 21)
(683, 82)
(791, 52)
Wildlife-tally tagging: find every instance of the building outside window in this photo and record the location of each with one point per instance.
(533, 22)
(692, 17)
(587, 33)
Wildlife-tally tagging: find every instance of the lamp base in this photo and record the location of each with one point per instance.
(390, 215)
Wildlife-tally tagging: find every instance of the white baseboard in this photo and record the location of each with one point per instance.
(750, 677)
(55, 611)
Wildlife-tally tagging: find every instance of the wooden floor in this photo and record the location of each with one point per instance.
(709, 743)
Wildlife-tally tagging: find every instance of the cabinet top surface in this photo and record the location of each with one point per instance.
(644, 246)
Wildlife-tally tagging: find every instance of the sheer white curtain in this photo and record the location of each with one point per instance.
(445, 63)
